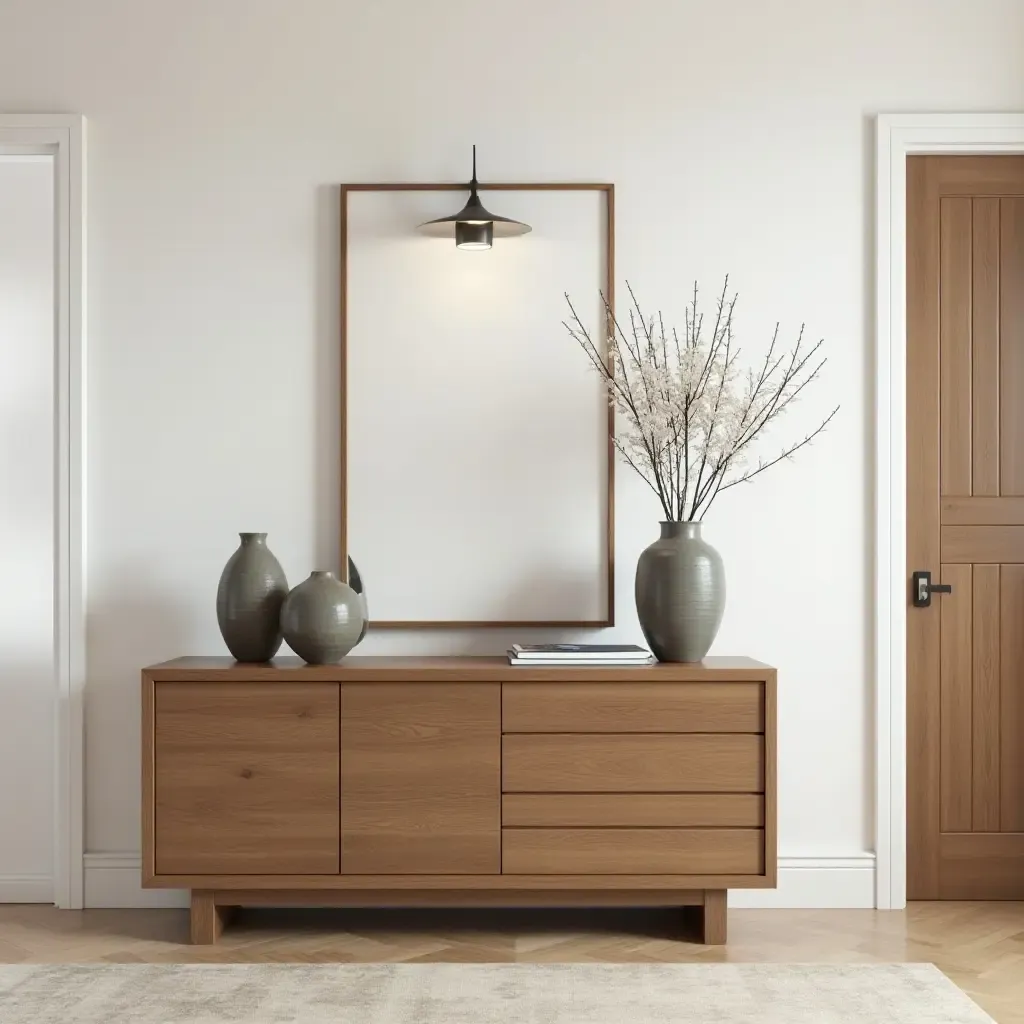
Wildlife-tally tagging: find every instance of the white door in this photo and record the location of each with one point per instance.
(28, 667)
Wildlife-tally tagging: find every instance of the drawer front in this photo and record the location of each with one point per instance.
(633, 764)
(632, 707)
(637, 810)
(246, 778)
(645, 851)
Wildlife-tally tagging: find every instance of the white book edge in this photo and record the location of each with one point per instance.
(591, 663)
(526, 655)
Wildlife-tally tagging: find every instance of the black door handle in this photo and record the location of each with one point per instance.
(922, 589)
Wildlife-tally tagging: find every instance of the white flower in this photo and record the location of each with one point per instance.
(689, 417)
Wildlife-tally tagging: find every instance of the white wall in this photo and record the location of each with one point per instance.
(28, 683)
(738, 135)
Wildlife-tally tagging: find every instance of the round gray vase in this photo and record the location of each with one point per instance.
(680, 593)
(322, 619)
(251, 592)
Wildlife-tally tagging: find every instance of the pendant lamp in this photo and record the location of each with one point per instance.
(473, 227)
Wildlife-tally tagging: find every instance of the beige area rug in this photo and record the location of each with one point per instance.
(481, 994)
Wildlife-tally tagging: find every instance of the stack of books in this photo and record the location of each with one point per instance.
(578, 654)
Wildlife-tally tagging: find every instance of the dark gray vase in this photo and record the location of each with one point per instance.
(322, 619)
(251, 592)
(355, 581)
(680, 593)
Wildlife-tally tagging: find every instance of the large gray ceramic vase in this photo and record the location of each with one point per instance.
(680, 593)
(251, 592)
(322, 619)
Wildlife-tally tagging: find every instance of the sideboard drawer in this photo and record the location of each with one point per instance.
(640, 851)
(632, 810)
(632, 707)
(632, 764)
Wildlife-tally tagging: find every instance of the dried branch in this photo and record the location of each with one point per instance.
(690, 424)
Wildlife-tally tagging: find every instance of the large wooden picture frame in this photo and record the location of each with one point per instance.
(606, 283)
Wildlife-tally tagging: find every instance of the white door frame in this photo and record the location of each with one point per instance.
(63, 137)
(898, 136)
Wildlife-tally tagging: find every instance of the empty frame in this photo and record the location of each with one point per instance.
(477, 465)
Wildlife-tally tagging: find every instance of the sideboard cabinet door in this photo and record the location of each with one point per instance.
(420, 778)
(246, 778)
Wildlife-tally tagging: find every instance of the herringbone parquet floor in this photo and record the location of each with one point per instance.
(979, 945)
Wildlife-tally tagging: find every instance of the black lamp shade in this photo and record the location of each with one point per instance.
(471, 234)
(473, 214)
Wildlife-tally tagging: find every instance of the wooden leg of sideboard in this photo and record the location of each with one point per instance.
(206, 919)
(713, 928)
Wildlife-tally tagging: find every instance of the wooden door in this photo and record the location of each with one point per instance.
(421, 778)
(965, 505)
(245, 779)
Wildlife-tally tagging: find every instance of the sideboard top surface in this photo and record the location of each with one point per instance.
(450, 670)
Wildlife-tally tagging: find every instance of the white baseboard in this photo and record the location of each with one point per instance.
(815, 883)
(112, 880)
(26, 889)
(115, 880)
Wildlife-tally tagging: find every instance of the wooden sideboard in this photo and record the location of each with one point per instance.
(458, 781)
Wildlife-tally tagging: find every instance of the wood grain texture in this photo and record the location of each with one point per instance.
(420, 779)
(246, 778)
(487, 669)
(982, 511)
(971, 311)
(607, 285)
(955, 234)
(649, 763)
(974, 176)
(923, 625)
(985, 347)
(715, 917)
(462, 898)
(629, 851)
(632, 707)
(983, 543)
(521, 883)
(771, 779)
(611, 454)
(206, 919)
(978, 865)
(985, 700)
(638, 810)
(1011, 700)
(957, 699)
(1011, 345)
(976, 944)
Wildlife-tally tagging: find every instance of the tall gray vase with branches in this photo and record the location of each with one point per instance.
(689, 419)
(680, 593)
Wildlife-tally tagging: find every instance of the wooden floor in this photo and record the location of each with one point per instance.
(979, 945)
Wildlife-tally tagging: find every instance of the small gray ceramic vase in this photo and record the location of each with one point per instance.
(251, 592)
(322, 619)
(680, 593)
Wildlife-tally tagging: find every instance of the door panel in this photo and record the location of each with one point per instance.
(420, 778)
(984, 361)
(246, 778)
(965, 479)
(985, 663)
(1011, 345)
(956, 701)
(1011, 704)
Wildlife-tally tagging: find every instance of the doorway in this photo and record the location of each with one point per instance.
(28, 518)
(965, 526)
